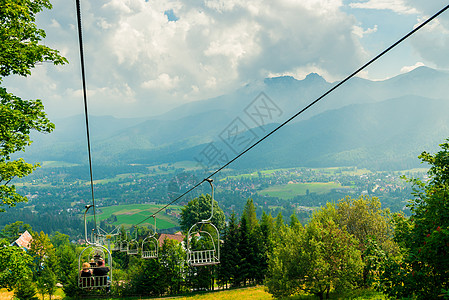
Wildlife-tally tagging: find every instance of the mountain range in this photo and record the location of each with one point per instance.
(375, 124)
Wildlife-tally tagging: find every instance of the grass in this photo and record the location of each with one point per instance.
(362, 294)
(8, 295)
(288, 191)
(251, 293)
(134, 213)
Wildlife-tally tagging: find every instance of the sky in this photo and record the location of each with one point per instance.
(144, 58)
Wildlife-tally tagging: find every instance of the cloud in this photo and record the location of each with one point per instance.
(398, 6)
(358, 31)
(432, 41)
(136, 52)
(407, 69)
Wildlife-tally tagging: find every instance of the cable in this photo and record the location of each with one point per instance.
(83, 78)
(307, 107)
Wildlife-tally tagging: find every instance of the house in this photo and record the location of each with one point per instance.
(178, 236)
(24, 241)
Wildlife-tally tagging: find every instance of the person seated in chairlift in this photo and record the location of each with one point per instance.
(100, 269)
(92, 263)
(85, 275)
(85, 271)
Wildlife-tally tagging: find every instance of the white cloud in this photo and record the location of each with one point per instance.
(164, 82)
(398, 6)
(358, 31)
(407, 69)
(135, 54)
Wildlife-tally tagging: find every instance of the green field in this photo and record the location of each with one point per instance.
(288, 191)
(131, 214)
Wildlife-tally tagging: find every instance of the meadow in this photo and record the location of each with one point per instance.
(288, 191)
(128, 215)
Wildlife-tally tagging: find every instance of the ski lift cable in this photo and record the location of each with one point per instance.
(417, 28)
(83, 78)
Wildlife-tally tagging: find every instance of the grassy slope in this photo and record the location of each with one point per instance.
(134, 213)
(288, 191)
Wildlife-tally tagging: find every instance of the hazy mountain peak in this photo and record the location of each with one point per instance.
(280, 80)
(314, 77)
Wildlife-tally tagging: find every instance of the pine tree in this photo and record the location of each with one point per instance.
(229, 253)
(25, 290)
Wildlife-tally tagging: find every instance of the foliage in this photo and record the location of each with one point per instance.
(46, 282)
(424, 270)
(229, 256)
(20, 50)
(14, 264)
(200, 209)
(66, 262)
(44, 264)
(172, 255)
(12, 231)
(25, 290)
(148, 278)
(317, 259)
(19, 45)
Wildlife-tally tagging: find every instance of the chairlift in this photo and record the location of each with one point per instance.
(116, 240)
(106, 239)
(94, 263)
(209, 254)
(124, 243)
(133, 246)
(150, 244)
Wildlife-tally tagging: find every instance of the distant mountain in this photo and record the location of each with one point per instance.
(386, 135)
(380, 124)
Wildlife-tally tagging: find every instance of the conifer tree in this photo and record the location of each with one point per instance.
(230, 257)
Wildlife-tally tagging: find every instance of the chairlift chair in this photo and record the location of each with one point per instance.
(150, 244)
(210, 255)
(116, 243)
(133, 246)
(97, 260)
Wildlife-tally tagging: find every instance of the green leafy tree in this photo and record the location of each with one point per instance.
(369, 224)
(148, 278)
(46, 282)
(14, 266)
(318, 259)
(25, 290)
(12, 231)
(45, 265)
(424, 270)
(66, 262)
(200, 209)
(281, 279)
(172, 256)
(20, 50)
(59, 239)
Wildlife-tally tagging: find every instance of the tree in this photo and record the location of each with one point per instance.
(25, 290)
(14, 264)
(12, 231)
(46, 282)
(172, 256)
(424, 270)
(200, 209)
(44, 263)
(228, 268)
(20, 50)
(316, 259)
(370, 224)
